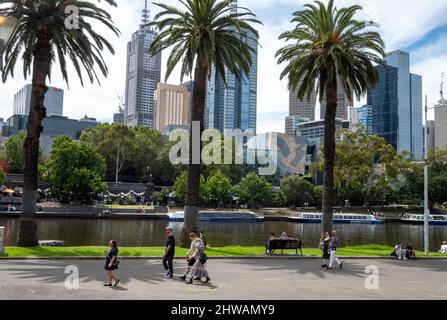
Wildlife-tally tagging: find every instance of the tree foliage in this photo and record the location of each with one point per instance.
(297, 191)
(76, 171)
(254, 191)
(218, 189)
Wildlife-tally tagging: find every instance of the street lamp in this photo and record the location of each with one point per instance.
(8, 26)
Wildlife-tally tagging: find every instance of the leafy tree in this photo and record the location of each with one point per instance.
(218, 189)
(15, 152)
(76, 171)
(181, 185)
(204, 34)
(279, 199)
(41, 39)
(161, 196)
(329, 46)
(254, 191)
(116, 142)
(297, 190)
(367, 168)
(2, 176)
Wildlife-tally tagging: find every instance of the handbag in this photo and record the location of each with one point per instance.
(203, 258)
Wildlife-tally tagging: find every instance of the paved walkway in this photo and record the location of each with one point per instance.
(232, 279)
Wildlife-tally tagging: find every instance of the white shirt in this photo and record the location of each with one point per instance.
(443, 248)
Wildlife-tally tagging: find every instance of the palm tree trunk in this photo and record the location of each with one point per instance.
(42, 59)
(329, 156)
(194, 169)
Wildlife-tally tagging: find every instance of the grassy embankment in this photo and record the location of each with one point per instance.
(233, 251)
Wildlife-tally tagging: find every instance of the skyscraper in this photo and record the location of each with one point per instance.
(397, 102)
(171, 106)
(343, 103)
(304, 108)
(54, 101)
(362, 116)
(233, 106)
(142, 76)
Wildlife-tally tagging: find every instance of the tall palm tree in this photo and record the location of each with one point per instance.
(47, 33)
(329, 44)
(205, 34)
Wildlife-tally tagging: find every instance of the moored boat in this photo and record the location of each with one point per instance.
(217, 216)
(339, 218)
(436, 220)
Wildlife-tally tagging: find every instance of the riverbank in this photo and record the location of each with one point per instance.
(372, 251)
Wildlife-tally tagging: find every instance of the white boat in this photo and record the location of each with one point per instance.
(217, 216)
(436, 220)
(339, 218)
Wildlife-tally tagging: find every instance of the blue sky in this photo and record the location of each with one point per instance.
(417, 26)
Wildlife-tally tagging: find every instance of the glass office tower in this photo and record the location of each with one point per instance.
(233, 106)
(397, 102)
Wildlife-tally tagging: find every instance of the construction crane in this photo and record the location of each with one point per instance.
(121, 105)
(442, 87)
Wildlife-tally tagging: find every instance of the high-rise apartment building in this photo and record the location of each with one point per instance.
(171, 106)
(440, 125)
(397, 103)
(142, 76)
(362, 117)
(343, 103)
(54, 101)
(233, 106)
(304, 108)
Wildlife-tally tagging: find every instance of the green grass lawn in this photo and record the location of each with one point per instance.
(232, 251)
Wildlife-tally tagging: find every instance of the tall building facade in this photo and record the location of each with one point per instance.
(362, 117)
(304, 108)
(343, 103)
(397, 102)
(233, 106)
(440, 125)
(292, 123)
(54, 101)
(171, 106)
(142, 76)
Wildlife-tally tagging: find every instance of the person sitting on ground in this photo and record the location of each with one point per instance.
(399, 252)
(443, 247)
(410, 253)
(268, 247)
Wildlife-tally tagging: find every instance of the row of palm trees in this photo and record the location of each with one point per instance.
(325, 44)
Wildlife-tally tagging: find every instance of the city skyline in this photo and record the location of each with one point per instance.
(427, 44)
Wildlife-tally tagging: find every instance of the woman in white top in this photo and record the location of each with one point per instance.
(443, 247)
(198, 270)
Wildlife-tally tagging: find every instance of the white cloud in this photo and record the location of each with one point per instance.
(402, 22)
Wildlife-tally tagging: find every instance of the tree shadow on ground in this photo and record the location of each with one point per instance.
(53, 271)
(305, 267)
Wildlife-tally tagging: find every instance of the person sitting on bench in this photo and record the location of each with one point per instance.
(268, 246)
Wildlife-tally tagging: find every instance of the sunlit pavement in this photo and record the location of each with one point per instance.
(258, 279)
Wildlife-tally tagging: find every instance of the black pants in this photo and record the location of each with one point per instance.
(168, 264)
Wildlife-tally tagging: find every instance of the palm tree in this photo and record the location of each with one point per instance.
(329, 44)
(208, 34)
(46, 33)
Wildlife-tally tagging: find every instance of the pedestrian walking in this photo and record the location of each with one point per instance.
(112, 263)
(199, 269)
(333, 246)
(168, 257)
(324, 245)
(190, 260)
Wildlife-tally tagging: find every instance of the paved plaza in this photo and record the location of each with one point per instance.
(258, 279)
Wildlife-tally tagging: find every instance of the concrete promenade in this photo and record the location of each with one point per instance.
(254, 279)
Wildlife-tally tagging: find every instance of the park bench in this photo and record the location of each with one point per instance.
(290, 244)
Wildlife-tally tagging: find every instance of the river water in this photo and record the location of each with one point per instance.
(82, 232)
